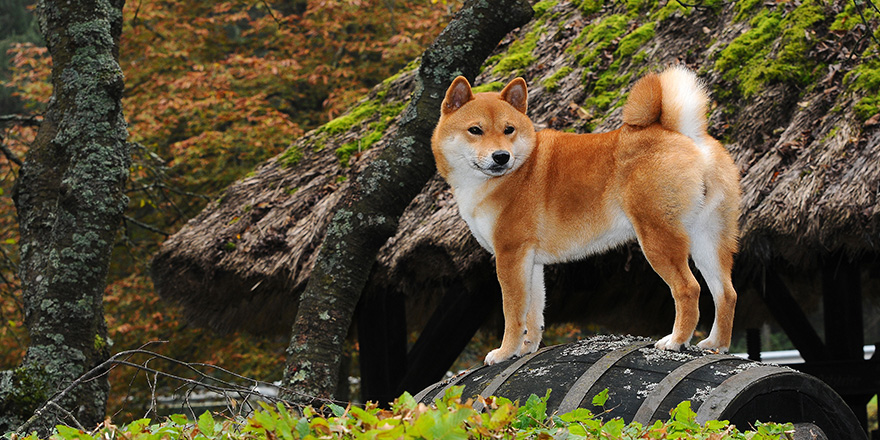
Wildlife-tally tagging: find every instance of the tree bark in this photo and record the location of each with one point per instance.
(70, 201)
(368, 213)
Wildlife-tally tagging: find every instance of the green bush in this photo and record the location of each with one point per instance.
(450, 419)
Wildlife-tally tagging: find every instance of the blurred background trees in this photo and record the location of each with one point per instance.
(211, 89)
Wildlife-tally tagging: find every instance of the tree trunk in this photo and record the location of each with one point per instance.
(70, 200)
(368, 214)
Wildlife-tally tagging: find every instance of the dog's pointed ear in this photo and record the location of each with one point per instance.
(516, 95)
(457, 95)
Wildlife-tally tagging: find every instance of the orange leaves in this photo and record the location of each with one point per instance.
(212, 89)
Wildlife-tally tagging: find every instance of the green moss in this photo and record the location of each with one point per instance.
(640, 58)
(377, 129)
(849, 17)
(100, 343)
(606, 91)
(831, 134)
(609, 88)
(495, 86)
(514, 62)
(589, 7)
(348, 120)
(668, 9)
(596, 37)
(634, 7)
(519, 54)
(752, 60)
(865, 79)
(631, 43)
(290, 157)
(551, 83)
(542, 7)
(413, 65)
(744, 8)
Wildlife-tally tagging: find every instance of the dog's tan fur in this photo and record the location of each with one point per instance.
(660, 179)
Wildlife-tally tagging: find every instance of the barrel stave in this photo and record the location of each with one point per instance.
(699, 385)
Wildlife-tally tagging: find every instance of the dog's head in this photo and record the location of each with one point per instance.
(484, 134)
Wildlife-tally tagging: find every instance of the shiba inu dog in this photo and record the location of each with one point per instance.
(535, 198)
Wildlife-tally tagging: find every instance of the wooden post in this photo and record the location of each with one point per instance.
(452, 325)
(844, 337)
(381, 326)
(791, 318)
(842, 300)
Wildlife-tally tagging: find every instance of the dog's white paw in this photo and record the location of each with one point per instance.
(528, 347)
(668, 344)
(712, 344)
(498, 355)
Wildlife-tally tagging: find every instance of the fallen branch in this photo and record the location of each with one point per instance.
(237, 394)
(26, 120)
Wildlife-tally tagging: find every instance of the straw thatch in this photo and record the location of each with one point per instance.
(810, 183)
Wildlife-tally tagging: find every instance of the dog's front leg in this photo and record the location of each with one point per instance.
(515, 271)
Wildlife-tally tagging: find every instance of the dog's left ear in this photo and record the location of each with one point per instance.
(458, 94)
(516, 95)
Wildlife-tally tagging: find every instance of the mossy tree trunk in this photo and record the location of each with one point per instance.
(70, 200)
(368, 213)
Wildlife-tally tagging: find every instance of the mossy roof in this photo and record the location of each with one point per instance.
(809, 162)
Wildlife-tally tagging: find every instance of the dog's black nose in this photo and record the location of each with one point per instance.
(500, 157)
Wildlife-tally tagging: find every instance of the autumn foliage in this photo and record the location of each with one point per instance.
(212, 89)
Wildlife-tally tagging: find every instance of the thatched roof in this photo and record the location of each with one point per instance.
(811, 172)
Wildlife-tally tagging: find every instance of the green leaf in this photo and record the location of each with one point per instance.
(179, 419)
(716, 425)
(613, 427)
(338, 411)
(450, 426)
(579, 415)
(452, 394)
(364, 416)
(533, 413)
(72, 433)
(405, 402)
(501, 417)
(206, 424)
(137, 426)
(601, 398)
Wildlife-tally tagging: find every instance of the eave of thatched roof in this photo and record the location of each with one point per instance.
(810, 183)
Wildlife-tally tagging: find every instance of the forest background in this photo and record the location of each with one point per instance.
(211, 90)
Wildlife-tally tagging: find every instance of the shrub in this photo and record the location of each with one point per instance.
(449, 418)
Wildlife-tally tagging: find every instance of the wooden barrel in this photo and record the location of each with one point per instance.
(645, 383)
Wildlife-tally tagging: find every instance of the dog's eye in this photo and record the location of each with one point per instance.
(476, 131)
(508, 130)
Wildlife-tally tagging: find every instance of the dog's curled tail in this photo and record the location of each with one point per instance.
(676, 98)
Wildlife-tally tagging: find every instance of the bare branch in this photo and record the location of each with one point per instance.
(868, 29)
(145, 226)
(8, 153)
(26, 120)
(234, 393)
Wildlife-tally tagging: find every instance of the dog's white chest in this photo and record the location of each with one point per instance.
(479, 217)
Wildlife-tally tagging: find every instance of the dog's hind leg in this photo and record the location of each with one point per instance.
(712, 251)
(666, 249)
